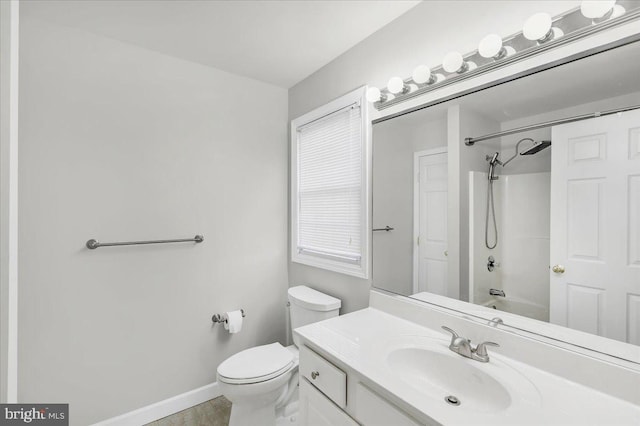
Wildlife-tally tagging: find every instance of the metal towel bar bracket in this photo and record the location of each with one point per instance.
(93, 244)
(223, 317)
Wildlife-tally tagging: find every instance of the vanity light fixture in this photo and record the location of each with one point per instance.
(454, 62)
(422, 75)
(539, 27)
(599, 11)
(540, 33)
(491, 47)
(375, 95)
(396, 85)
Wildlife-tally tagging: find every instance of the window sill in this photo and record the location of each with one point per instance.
(354, 270)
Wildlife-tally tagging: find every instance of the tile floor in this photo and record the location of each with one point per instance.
(211, 413)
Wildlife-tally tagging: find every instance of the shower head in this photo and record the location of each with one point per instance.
(493, 159)
(492, 166)
(537, 147)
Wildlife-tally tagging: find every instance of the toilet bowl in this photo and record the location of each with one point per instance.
(262, 382)
(256, 381)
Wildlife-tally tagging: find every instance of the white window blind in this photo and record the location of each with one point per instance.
(330, 180)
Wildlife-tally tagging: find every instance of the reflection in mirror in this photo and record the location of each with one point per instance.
(549, 217)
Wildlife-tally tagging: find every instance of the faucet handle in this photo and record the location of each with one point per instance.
(481, 349)
(454, 335)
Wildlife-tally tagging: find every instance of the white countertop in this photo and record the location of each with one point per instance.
(362, 339)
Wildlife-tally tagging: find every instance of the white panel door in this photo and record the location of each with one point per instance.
(430, 223)
(595, 226)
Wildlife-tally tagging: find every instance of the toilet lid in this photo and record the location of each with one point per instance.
(256, 364)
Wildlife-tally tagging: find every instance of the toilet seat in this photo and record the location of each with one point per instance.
(257, 364)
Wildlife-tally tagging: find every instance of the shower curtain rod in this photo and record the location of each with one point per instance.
(471, 141)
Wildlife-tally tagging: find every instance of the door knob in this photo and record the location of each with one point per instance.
(314, 374)
(558, 269)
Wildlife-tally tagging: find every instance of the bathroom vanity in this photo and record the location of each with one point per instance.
(390, 364)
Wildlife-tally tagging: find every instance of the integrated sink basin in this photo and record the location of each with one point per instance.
(447, 378)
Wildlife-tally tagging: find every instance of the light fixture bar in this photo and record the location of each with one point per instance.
(572, 25)
(472, 141)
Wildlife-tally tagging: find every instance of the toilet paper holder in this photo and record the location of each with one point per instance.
(223, 317)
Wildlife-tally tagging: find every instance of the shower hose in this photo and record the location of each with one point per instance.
(493, 214)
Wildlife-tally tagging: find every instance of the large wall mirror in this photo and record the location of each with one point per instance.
(549, 217)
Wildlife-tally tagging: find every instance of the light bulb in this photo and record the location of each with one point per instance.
(491, 47)
(374, 95)
(396, 85)
(596, 9)
(422, 74)
(538, 28)
(454, 62)
(618, 10)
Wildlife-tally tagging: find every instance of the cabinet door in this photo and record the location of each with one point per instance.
(372, 410)
(317, 410)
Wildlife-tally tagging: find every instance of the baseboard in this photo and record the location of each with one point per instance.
(164, 408)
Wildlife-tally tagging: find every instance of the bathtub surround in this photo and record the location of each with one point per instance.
(526, 237)
(522, 255)
(121, 143)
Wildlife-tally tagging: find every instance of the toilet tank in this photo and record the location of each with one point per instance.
(307, 306)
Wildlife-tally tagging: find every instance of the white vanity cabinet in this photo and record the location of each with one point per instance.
(323, 397)
(318, 410)
(372, 368)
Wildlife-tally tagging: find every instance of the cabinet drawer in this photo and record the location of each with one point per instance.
(323, 375)
(372, 410)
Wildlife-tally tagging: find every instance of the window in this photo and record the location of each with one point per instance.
(329, 214)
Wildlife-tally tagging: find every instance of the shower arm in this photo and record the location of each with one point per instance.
(517, 150)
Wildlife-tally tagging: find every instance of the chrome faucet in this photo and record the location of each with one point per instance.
(462, 346)
(496, 292)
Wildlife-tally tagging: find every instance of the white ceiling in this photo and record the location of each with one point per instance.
(278, 42)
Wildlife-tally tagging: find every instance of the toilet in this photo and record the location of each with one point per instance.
(262, 382)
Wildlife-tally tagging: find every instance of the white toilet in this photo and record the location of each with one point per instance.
(262, 382)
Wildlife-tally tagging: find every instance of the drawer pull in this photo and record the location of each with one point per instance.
(314, 374)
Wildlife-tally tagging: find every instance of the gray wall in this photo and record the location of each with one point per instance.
(423, 35)
(394, 145)
(122, 143)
